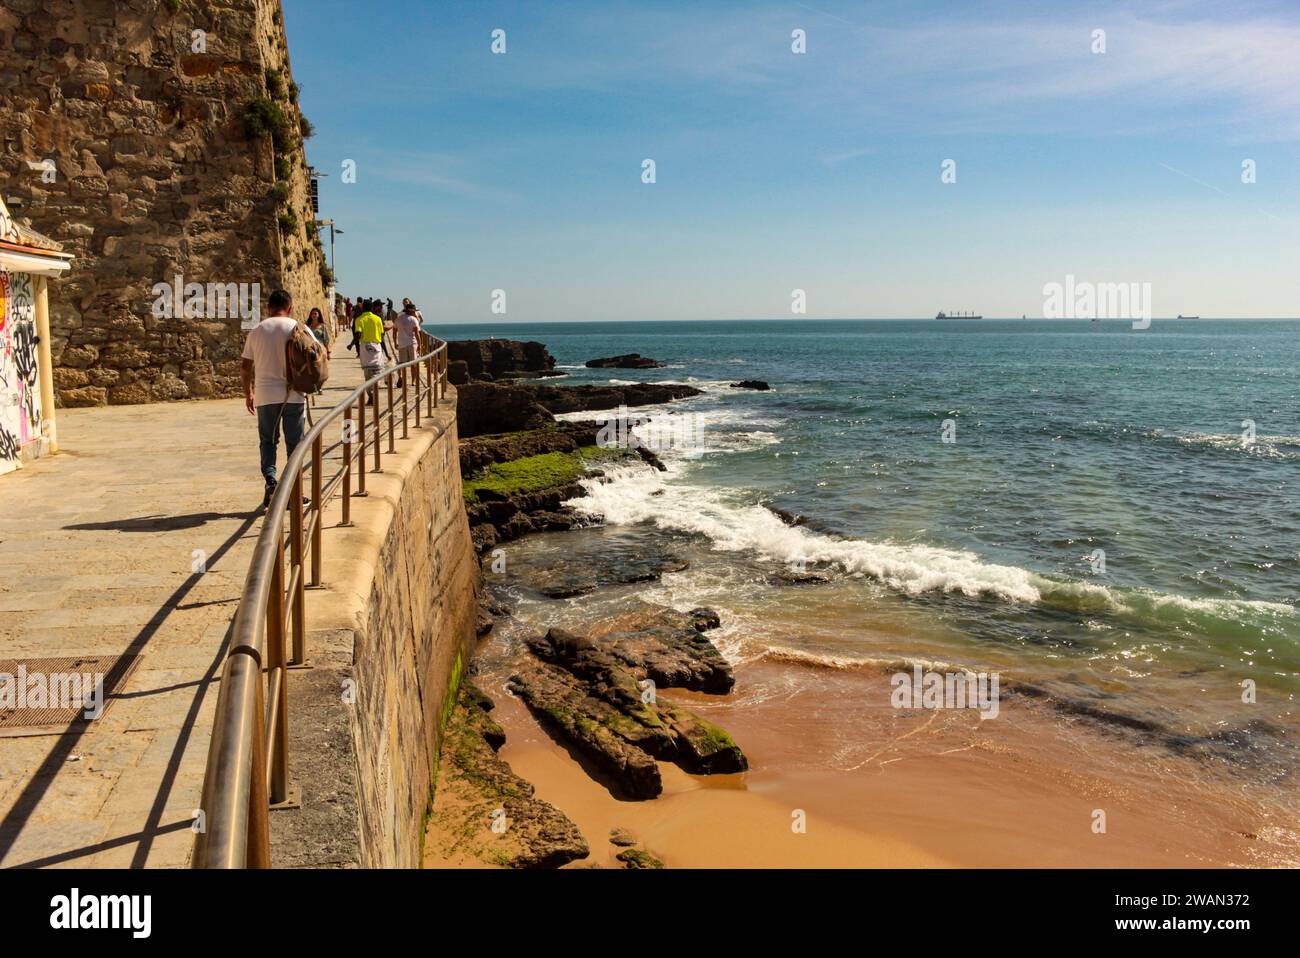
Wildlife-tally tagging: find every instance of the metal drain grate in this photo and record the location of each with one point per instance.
(51, 693)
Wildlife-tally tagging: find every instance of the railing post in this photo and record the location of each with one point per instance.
(347, 468)
(296, 563)
(415, 371)
(406, 400)
(317, 465)
(361, 446)
(257, 853)
(392, 419)
(278, 786)
(379, 429)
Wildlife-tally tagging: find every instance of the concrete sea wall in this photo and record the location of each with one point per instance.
(389, 641)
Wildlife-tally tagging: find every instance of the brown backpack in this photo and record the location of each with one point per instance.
(306, 363)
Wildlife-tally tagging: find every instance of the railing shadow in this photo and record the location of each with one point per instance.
(34, 791)
(159, 523)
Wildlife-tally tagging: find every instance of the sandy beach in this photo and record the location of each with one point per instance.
(880, 788)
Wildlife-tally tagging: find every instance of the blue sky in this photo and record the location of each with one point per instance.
(819, 171)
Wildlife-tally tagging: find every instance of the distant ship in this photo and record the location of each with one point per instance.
(943, 315)
(1181, 316)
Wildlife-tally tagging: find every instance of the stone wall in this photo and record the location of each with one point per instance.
(124, 136)
(366, 718)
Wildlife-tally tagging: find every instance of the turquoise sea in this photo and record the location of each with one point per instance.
(1116, 517)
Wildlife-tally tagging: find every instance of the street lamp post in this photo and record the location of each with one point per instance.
(333, 232)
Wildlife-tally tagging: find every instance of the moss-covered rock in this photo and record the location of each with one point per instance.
(482, 810)
(526, 475)
(636, 858)
(593, 690)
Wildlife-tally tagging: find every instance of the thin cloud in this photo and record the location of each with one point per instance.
(430, 170)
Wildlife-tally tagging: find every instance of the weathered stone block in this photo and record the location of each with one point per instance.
(131, 394)
(78, 357)
(83, 396)
(66, 377)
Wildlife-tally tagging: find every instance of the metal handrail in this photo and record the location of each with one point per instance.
(248, 756)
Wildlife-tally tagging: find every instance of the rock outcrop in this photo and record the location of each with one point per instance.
(513, 423)
(635, 858)
(491, 360)
(629, 361)
(482, 810)
(501, 517)
(666, 646)
(487, 408)
(561, 399)
(600, 692)
(751, 384)
(580, 575)
(479, 452)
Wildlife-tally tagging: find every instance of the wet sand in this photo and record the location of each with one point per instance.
(879, 787)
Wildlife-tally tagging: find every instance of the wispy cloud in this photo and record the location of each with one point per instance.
(1006, 67)
(837, 158)
(436, 171)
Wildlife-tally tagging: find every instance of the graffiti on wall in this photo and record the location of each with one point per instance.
(20, 393)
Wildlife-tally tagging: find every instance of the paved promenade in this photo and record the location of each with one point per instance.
(134, 540)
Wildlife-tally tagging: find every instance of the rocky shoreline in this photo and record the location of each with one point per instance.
(598, 689)
(521, 463)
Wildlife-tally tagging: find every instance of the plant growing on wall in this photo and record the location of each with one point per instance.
(275, 84)
(263, 117)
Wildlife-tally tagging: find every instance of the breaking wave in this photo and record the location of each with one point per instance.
(732, 524)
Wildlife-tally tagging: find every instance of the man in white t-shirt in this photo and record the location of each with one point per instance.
(408, 328)
(266, 385)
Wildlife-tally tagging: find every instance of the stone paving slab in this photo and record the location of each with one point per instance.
(97, 547)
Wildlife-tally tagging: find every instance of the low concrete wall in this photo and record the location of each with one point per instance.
(390, 636)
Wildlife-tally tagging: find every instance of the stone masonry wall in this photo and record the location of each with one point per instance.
(123, 135)
(366, 719)
(411, 656)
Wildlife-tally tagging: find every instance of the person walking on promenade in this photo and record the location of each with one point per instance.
(419, 316)
(374, 351)
(316, 323)
(408, 333)
(266, 386)
(363, 306)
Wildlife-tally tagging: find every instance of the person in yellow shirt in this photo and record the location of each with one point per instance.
(373, 350)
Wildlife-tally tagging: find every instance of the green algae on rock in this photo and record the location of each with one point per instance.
(482, 810)
(635, 858)
(601, 694)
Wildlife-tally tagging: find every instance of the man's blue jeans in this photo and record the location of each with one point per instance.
(269, 418)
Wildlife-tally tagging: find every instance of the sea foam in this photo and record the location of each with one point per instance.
(732, 524)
